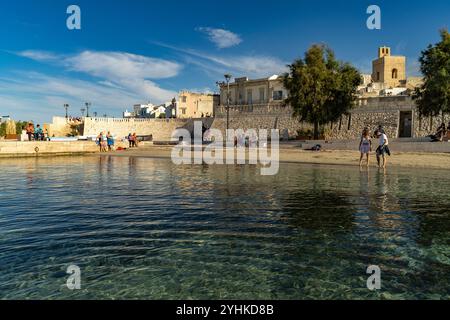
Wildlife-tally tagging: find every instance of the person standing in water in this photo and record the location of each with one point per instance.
(365, 146)
(383, 149)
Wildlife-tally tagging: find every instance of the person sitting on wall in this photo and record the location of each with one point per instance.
(39, 133)
(440, 134)
(30, 131)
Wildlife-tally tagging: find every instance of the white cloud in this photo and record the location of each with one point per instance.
(121, 73)
(254, 66)
(122, 65)
(37, 96)
(221, 38)
(38, 55)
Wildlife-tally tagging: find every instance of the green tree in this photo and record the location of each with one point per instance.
(3, 129)
(433, 97)
(321, 89)
(20, 125)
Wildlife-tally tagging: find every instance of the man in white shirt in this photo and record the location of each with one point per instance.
(383, 149)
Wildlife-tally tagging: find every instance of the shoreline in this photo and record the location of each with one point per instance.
(418, 160)
(328, 157)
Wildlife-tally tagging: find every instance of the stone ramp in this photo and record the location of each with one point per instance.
(396, 145)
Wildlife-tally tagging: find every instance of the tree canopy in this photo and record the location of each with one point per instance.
(321, 88)
(433, 97)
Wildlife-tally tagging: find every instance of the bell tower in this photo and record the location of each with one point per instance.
(388, 69)
(384, 52)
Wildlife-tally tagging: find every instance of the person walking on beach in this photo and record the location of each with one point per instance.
(130, 140)
(135, 140)
(383, 149)
(104, 142)
(365, 146)
(98, 141)
(110, 140)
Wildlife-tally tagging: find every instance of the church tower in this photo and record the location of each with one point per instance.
(388, 69)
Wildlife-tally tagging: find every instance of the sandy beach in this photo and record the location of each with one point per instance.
(334, 157)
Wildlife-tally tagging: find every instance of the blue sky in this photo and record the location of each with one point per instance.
(140, 51)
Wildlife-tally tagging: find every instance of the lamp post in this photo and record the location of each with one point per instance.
(227, 79)
(66, 106)
(87, 104)
(222, 84)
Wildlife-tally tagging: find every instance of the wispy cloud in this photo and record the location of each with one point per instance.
(132, 73)
(111, 65)
(39, 55)
(239, 65)
(220, 37)
(116, 81)
(31, 95)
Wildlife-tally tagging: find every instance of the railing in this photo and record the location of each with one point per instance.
(265, 108)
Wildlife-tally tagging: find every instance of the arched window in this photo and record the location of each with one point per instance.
(394, 74)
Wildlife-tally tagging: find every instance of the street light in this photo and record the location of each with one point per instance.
(66, 106)
(227, 83)
(87, 104)
(227, 79)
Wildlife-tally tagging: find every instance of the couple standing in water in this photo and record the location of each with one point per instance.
(365, 147)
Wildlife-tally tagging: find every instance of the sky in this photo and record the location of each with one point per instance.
(140, 51)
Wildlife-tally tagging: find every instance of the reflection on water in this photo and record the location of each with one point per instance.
(143, 228)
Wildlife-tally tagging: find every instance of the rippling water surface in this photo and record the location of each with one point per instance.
(145, 229)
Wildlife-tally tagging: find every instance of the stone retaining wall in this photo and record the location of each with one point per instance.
(160, 129)
(33, 148)
(369, 112)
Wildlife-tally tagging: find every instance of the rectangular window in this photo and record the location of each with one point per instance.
(262, 97)
(183, 111)
(184, 99)
(278, 95)
(249, 96)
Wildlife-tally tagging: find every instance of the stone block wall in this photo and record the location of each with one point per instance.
(160, 129)
(46, 147)
(369, 112)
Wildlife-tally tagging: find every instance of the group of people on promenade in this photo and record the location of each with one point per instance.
(365, 147)
(105, 142)
(36, 134)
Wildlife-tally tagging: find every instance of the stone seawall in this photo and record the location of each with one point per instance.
(36, 148)
(160, 129)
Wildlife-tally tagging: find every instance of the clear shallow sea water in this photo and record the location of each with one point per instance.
(142, 228)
